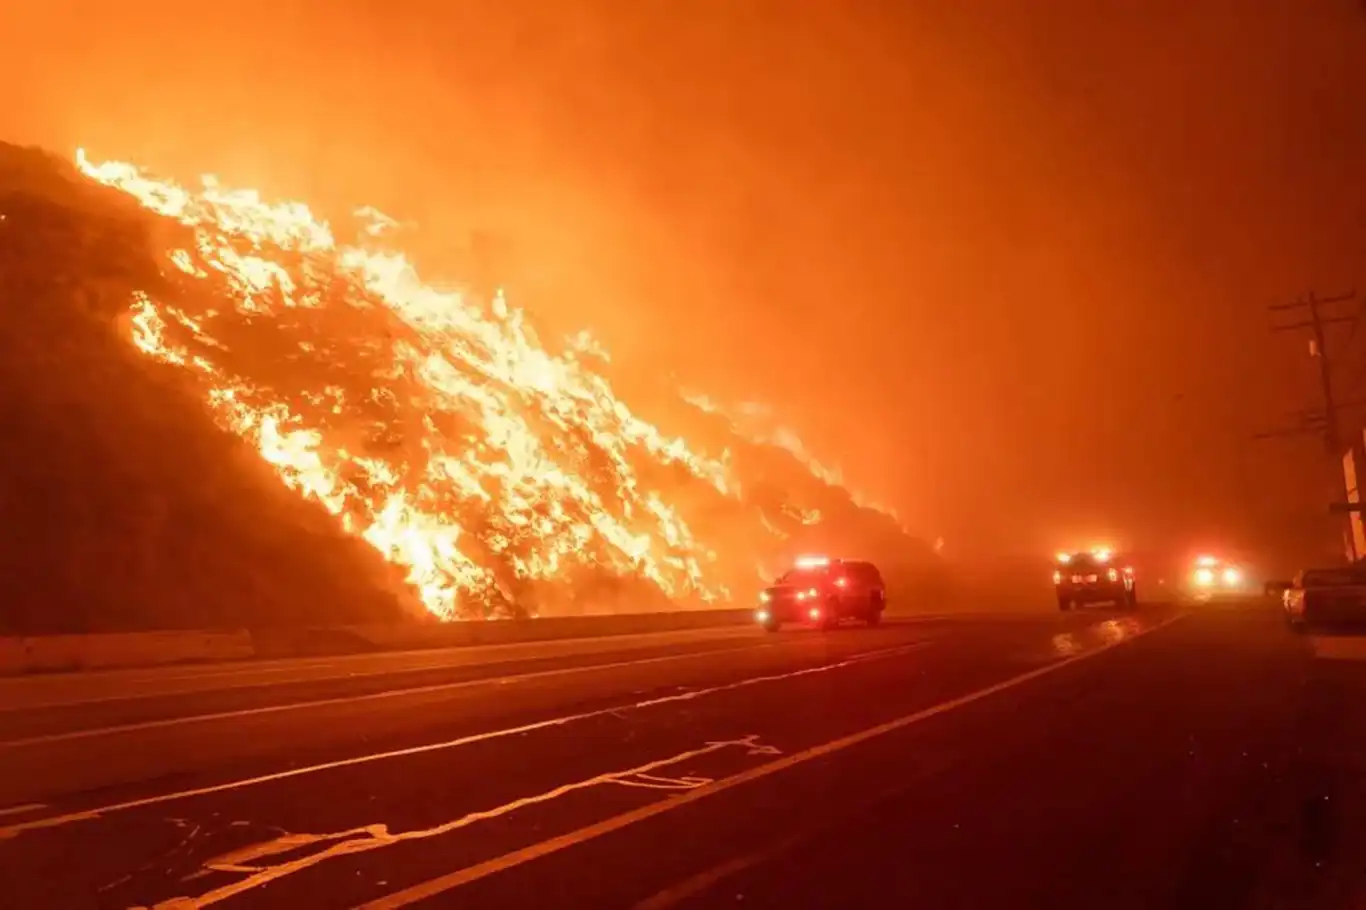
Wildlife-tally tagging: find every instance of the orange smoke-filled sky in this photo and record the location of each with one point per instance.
(1005, 262)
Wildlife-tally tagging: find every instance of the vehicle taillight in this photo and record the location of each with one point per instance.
(1113, 575)
(812, 592)
(841, 582)
(815, 613)
(1057, 578)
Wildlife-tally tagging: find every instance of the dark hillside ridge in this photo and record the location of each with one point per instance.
(123, 506)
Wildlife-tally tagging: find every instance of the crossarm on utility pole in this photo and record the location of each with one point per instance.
(1324, 301)
(1331, 432)
(1313, 305)
(1310, 324)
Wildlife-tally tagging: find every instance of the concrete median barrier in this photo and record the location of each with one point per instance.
(422, 636)
(54, 653)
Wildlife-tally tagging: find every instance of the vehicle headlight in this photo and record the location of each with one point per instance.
(1232, 576)
(765, 597)
(1204, 577)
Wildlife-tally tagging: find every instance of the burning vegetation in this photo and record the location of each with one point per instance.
(490, 473)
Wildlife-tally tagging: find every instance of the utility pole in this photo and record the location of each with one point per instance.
(1318, 348)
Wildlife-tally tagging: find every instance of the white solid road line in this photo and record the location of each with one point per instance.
(41, 691)
(706, 880)
(461, 877)
(90, 814)
(272, 861)
(27, 693)
(48, 738)
(136, 726)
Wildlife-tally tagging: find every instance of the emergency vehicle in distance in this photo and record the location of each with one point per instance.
(1093, 577)
(1212, 578)
(821, 592)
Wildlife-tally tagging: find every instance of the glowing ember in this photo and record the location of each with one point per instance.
(440, 430)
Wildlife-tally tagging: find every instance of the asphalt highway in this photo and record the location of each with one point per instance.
(1164, 758)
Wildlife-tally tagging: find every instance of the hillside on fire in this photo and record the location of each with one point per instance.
(124, 506)
(223, 411)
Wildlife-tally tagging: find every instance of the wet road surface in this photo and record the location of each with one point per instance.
(1121, 760)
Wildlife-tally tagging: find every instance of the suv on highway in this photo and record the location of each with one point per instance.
(822, 592)
(1213, 578)
(1095, 577)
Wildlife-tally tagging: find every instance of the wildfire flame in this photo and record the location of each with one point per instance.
(753, 422)
(438, 428)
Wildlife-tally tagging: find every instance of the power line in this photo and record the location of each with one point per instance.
(1327, 420)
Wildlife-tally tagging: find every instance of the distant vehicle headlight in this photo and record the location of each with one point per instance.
(1204, 577)
(1232, 577)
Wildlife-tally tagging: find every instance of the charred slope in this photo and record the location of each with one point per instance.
(124, 506)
